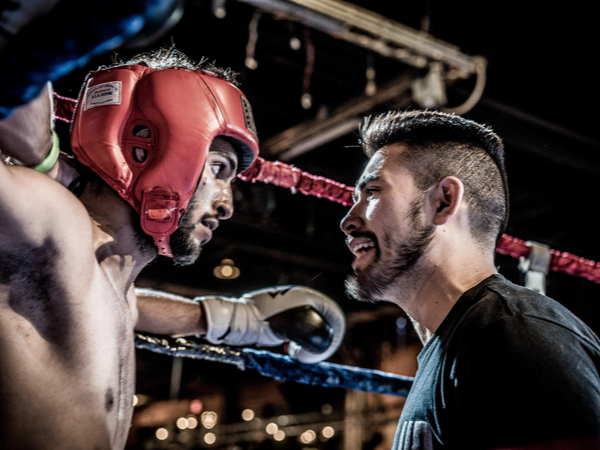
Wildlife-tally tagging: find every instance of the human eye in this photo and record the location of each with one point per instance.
(222, 167)
(371, 191)
(217, 168)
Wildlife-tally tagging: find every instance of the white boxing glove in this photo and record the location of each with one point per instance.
(312, 323)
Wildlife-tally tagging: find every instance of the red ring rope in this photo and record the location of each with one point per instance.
(290, 177)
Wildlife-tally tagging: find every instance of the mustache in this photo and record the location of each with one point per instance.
(187, 225)
(185, 249)
(359, 234)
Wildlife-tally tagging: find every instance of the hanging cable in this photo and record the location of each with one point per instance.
(371, 86)
(295, 43)
(219, 9)
(251, 62)
(306, 99)
(480, 71)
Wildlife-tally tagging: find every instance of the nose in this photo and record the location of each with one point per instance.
(351, 222)
(223, 204)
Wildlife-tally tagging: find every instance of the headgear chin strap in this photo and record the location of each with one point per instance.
(185, 110)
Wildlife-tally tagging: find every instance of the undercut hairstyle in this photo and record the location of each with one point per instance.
(439, 145)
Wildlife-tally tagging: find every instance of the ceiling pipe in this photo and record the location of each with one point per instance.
(376, 33)
(371, 31)
(316, 132)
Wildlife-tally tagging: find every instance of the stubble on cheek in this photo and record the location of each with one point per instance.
(185, 248)
(393, 260)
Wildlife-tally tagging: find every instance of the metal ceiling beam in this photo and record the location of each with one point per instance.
(372, 31)
(345, 119)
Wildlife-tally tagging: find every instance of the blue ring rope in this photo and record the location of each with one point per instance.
(281, 367)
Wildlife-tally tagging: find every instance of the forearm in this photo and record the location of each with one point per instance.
(26, 135)
(168, 314)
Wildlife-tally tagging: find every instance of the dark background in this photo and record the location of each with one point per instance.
(541, 97)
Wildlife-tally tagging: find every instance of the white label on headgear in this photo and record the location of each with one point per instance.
(103, 94)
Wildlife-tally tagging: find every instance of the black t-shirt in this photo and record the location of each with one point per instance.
(507, 367)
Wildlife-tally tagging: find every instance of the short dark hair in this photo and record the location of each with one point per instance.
(171, 58)
(440, 145)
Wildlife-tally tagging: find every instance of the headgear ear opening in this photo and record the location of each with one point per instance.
(147, 133)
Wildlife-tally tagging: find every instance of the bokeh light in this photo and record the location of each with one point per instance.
(162, 434)
(247, 415)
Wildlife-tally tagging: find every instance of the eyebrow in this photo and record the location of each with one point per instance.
(363, 182)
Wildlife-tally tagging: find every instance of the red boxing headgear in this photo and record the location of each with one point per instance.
(185, 110)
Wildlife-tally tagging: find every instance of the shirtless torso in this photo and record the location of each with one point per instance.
(66, 326)
(68, 307)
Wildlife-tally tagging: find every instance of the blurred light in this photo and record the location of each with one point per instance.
(209, 419)
(140, 400)
(247, 415)
(182, 423)
(295, 43)
(162, 434)
(306, 100)
(192, 422)
(308, 436)
(283, 420)
(328, 432)
(195, 406)
(401, 323)
(271, 428)
(227, 270)
(326, 409)
(251, 63)
(210, 438)
(279, 435)
(218, 9)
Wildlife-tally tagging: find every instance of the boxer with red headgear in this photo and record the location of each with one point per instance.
(157, 141)
(180, 113)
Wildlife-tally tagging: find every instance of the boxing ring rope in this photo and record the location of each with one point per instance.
(322, 374)
(281, 367)
(287, 176)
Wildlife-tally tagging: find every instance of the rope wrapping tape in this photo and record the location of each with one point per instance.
(290, 177)
(64, 108)
(559, 262)
(284, 175)
(281, 367)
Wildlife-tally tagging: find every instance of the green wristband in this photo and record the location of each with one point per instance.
(52, 157)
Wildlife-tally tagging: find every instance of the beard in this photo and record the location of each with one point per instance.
(371, 283)
(185, 249)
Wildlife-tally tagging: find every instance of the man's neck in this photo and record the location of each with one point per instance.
(437, 288)
(120, 250)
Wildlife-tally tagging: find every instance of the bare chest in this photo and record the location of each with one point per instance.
(73, 335)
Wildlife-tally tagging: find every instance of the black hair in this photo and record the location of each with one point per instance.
(171, 58)
(440, 145)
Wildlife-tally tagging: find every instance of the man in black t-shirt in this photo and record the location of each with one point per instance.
(502, 367)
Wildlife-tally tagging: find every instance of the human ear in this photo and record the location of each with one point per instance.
(447, 197)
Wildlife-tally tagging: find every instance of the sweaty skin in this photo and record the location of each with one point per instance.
(67, 302)
(65, 327)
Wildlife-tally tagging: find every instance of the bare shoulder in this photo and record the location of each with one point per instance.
(39, 213)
